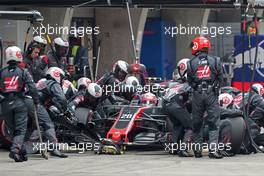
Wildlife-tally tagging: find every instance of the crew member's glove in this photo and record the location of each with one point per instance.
(71, 109)
(71, 116)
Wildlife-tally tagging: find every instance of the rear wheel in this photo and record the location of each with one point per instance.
(5, 135)
(232, 130)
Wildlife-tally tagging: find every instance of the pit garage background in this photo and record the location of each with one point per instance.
(157, 51)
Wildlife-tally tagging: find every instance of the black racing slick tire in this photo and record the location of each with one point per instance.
(5, 135)
(236, 133)
(82, 115)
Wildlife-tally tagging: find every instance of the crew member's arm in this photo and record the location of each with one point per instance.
(258, 102)
(41, 67)
(189, 73)
(219, 68)
(59, 96)
(77, 100)
(31, 86)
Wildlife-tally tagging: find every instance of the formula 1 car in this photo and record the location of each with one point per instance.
(137, 125)
(132, 124)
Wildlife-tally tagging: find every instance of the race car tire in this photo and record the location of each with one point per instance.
(82, 115)
(238, 130)
(5, 135)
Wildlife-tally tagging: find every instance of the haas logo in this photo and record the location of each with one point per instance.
(11, 83)
(204, 72)
(226, 100)
(195, 46)
(18, 54)
(56, 73)
(182, 66)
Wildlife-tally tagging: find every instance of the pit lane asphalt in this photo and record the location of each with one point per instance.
(133, 163)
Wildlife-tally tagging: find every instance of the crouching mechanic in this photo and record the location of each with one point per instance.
(88, 98)
(117, 75)
(127, 91)
(227, 111)
(13, 81)
(256, 108)
(256, 111)
(175, 104)
(51, 93)
(204, 74)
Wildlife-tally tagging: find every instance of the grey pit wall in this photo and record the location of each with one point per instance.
(115, 35)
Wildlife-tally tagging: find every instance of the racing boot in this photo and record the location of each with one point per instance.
(57, 153)
(184, 153)
(23, 154)
(226, 153)
(16, 157)
(198, 154)
(215, 155)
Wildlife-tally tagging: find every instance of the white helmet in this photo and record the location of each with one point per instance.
(148, 99)
(13, 53)
(132, 81)
(122, 65)
(83, 82)
(59, 41)
(56, 73)
(95, 90)
(120, 69)
(258, 88)
(40, 40)
(66, 84)
(225, 100)
(61, 46)
(182, 67)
